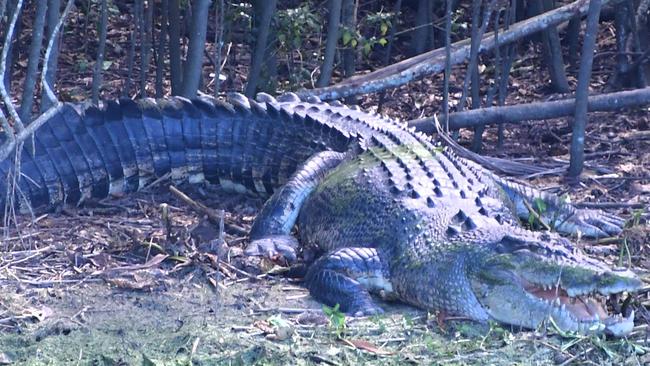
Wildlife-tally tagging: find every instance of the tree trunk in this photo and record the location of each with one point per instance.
(577, 160)
(160, 48)
(333, 26)
(192, 70)
(145, 46)
(267, 9)
(176, 69)
(349, 20)
(101, 47)
(27, 100)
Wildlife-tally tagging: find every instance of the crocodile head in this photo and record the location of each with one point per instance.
(530, 279)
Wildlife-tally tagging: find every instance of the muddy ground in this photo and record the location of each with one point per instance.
(119, 283)
(130, 281)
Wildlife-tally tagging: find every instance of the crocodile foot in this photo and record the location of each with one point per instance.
(592, 224)
(275, 247)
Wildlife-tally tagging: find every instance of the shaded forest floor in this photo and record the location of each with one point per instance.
(117, 283)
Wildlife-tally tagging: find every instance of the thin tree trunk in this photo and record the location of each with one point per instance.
(577, 159)
(218, 45)
(5, 58)
(267, 9)
(11, 49)
(573, 39)
(160, 53)
(101, 47)
(3, 8)
(53, 15)
(552, 51)
(29, 84)
(175, 65)
(193, 68)
(421, 34)
(130, 56)
(389, 46)
(445, 93)
(145, 46)
(349, 19)
(333, 26)
(510, 51)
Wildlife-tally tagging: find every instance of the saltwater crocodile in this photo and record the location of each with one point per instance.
(388, 210)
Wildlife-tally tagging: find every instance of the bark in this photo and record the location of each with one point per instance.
(577, 159)
(27, 100)
(333, 26)
(218, 44)
(49, 99)
(262, 34)
(99, 61)
(11, 46)
(445, 92)
(423, 33)
(552, 53)
(4, 60)
(610, 102)
(433, 61)
(389, 46)
(193, 68)
(145, 46)
(174, 15)
(349, 19)
(52, 17)
(130, 57)
(573, 39)
(160, 50)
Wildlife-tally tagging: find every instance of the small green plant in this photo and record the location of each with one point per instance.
(337, 319)
(371, 31)
(537, 212)
(635, 220)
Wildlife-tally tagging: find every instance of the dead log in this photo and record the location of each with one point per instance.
(537, 110)
(434, 61)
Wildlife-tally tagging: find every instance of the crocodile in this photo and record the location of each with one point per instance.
(380, 209)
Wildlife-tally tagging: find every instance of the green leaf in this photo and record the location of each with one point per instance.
(347, 37)
(106, 65)
(382, 41)
(367, 48)
(384, 28)
(540, 205)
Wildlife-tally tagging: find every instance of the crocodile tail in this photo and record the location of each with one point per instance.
(85, 152)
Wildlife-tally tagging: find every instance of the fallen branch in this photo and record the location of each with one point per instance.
(537, 110)
(434, 61)
(211, 214)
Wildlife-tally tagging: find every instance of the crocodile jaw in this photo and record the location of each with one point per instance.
(515, 298)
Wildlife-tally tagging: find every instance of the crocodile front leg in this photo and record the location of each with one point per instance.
(559, 214)
(347, 276)
(270, 234)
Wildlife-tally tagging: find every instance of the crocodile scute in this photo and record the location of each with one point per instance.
(387, 210)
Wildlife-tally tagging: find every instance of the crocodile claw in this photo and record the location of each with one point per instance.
(592, 224)
(367, 311)
(274, 247)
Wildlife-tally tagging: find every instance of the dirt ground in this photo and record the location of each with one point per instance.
(117, 283)
(130, 280)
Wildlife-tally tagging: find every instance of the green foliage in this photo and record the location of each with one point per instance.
(635, 220)
(337, 319)
(539, 208)
(371, 31)
(295, 26)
